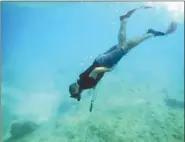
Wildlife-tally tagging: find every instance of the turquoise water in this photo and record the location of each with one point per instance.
(45, 46)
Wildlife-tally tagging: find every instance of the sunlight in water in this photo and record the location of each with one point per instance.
(175, 9)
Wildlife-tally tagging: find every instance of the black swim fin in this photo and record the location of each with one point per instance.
(156, 33)
(129, 13)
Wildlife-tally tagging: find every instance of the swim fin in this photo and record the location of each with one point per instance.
(129, 13)
(156, 33)
(172, 28)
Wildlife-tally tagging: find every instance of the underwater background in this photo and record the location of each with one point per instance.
(46, 45)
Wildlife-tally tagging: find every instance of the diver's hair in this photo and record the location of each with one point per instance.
(73, 88)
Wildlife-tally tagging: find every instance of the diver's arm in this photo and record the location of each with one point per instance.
(101, 69)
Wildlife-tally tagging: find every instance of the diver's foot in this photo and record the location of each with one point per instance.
(156, 33)
(127, 15)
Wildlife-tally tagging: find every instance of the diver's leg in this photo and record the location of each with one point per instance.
(110, 59)
(122, 30)
(122, 34)
(149, 34)
(138, 40)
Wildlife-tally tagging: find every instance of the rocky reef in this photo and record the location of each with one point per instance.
(19, 129)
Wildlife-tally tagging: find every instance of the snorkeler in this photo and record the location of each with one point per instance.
(105, 62)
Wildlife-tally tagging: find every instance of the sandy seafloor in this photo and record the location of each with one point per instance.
(137, 115)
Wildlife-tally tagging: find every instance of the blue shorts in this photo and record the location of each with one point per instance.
(111, 57)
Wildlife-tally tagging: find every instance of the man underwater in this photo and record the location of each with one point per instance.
(105, 62)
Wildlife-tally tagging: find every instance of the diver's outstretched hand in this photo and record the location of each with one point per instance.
(172, 28)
